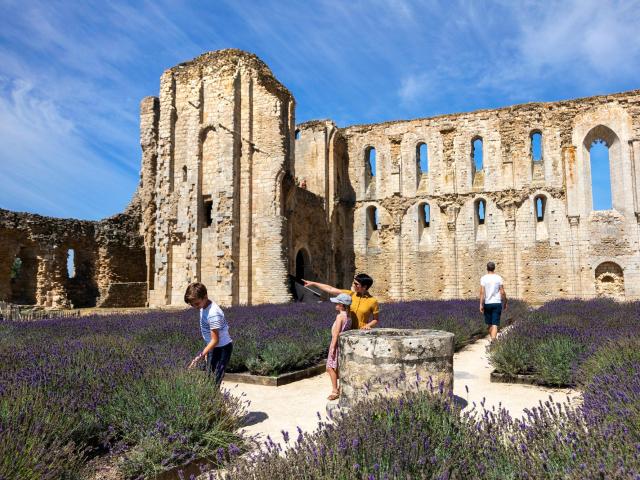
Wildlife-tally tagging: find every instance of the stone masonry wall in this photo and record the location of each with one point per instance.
(540, 260)
(104, 252)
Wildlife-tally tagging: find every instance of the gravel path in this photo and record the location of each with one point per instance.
(273, 409)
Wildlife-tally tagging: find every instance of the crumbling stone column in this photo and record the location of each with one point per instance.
(389, 362)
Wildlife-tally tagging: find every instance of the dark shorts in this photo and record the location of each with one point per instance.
(492, 313)
(217, 360)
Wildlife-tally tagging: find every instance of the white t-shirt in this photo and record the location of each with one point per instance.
(491, 283)
(212, 318)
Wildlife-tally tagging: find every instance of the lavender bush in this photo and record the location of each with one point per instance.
(75, 388)
(424, 436)
(551, 343)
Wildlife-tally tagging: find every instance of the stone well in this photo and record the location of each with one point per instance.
(388, 361)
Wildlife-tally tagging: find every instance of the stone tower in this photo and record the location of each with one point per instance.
(217, 154)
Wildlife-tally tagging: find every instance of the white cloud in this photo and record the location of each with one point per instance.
(46, 163)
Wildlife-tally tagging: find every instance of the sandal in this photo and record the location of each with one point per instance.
(334, 396)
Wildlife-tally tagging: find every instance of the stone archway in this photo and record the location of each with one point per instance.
(609, 279)
(303, 265)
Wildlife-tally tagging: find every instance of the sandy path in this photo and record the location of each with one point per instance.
(273, 409)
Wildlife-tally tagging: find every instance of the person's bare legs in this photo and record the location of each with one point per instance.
(333, 375)
(493, 332)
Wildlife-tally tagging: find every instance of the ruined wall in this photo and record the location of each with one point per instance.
(224, 145)
(540, 260)
(105, 253)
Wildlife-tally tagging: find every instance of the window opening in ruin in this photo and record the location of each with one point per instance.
(540, 203)
(71, 266)
(536, 146)
(425, 215)
(600, 175)
(370, 156)
(477, 153)
(208, 211)
(16, 268)
(297, 135)
(372, 218)
(184, 174)
(422, 156)
(480, 211)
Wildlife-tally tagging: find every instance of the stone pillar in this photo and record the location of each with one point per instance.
(574, 221)
(50, 291)
(452, 274)
(511, 249)
(396, 283)
(389, 362)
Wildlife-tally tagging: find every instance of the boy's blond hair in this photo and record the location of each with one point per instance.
(195, 291)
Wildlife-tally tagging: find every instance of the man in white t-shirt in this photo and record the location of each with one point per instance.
(493, 299)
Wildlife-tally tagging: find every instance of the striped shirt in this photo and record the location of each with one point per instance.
(212, 318)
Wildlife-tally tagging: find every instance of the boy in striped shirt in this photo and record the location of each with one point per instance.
(214, 329)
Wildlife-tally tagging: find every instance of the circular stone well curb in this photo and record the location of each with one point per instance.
(390, 361)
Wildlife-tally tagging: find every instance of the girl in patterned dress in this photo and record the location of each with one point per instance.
(341, 323)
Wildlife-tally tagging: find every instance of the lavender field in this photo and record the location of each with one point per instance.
(594, 345)
(552, 343)
(77, 389)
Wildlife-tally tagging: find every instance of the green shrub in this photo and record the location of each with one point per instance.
(511, 355)
(555, 358)
(199, 420)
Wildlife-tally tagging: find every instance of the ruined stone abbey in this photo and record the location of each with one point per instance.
(234, 194)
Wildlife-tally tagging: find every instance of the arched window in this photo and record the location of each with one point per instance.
(370, 159)
(540, 203)
(372, 219)
(600, 174)
(208, 211)
(422, 157)
(481, 207)
(184, 174)
(71, 267)
(536, 146)
(477, 154)
(424, 214)
(297, 134)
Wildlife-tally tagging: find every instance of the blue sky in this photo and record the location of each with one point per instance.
(72, 74)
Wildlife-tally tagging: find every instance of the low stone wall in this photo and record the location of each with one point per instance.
(387, 362)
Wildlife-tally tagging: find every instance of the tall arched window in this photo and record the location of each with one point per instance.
(600, 175)
(297, 134)
(184, 173)
(477, 153)
(71, 267)
(540, 203)
(536, 146)
(424, 212)
(370, 159)
(481, 207)
(422, 157)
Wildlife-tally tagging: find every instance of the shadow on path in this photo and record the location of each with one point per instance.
(253, 418)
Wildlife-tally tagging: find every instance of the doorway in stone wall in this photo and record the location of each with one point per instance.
(303, 265)
(24, 276)
(80, 285)
(609, 280)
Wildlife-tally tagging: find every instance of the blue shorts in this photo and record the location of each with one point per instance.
(217, 360)
(492, 313)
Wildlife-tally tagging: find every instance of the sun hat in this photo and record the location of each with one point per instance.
(342, 298)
